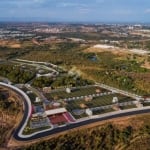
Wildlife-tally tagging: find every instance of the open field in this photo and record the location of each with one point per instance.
(77, 92)
(105, 100)
(128, 106)
(115, 50)
(102, 111)
(98, 101)
(10, 43)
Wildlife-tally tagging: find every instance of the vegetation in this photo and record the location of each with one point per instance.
(8, 111)
(75, 92)
(96, 102)
(6, 104)
(42, 82)
(3, 133)
(122, 71)
(15, 73)
(109, 137)
(60, 81)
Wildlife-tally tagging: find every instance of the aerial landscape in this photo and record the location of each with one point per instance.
(74, 75)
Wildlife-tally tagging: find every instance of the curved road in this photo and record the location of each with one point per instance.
(74, 125)
(19, 129)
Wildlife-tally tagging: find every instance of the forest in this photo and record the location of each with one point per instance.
(15, 73)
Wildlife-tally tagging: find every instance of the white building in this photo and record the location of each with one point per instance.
(55, 111)
(68, 90)
(89, 112)
(115, 100)
(37, 100)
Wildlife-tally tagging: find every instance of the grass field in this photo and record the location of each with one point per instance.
(146, 104)
(75, 93)
(128, 107)
(79, 116)
(102, 111)
(98, 102)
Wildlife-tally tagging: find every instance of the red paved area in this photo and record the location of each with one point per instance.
(32, 110)
(68, 117)
(58, 119)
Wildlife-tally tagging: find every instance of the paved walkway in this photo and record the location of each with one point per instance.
(135, 96)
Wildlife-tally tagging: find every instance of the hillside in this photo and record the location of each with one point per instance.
(121, 134)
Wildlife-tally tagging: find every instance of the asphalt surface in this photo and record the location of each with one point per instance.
(70, 126)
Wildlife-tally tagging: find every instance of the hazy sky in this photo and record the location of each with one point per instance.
(76, 10)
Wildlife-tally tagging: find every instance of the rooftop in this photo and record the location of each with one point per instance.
(55, 111)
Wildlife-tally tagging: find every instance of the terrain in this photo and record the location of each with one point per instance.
(125, 134)
(10, 114)
(77, 67)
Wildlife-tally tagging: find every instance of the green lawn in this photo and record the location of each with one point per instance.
(128, 106)
(146, 104)
(75, 93)
(98, 101)
(102, 111)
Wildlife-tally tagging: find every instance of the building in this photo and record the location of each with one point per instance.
(115, 100)
(68, 90)
(37, 100)
(55, 111)
(89, 112)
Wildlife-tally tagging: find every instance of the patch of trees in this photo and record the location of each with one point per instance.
(107, 137)
(42, 82)
(5, 104)
(111, 69)
(60, 81)
(16, 74)
(3, 130)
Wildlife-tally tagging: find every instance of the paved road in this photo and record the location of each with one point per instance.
(75, 125)
(18, 130)
(137, 97)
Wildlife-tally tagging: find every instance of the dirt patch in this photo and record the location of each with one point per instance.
(115, 51)
(35, 42)
(11, 44)
(146, 65)
(15, 46)
(9, 117)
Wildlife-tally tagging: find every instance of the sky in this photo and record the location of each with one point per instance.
(75, 10)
